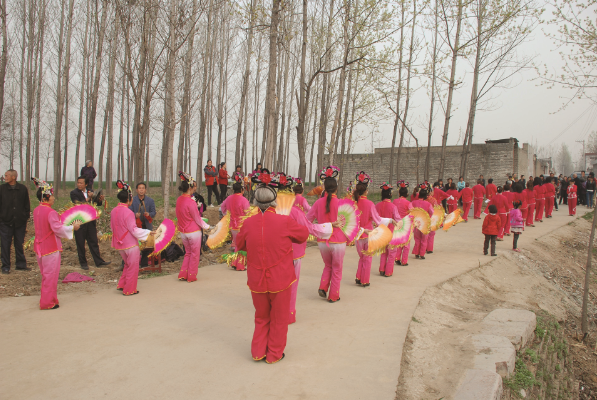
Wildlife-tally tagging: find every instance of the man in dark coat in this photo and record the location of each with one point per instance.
(89, 172)
(87, 232)
(15, 211)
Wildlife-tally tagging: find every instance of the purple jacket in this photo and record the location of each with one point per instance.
(90, 173)
(516, 218)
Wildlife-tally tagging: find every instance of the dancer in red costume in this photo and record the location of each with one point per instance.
(190, 225)
(467, 201)
(510, 196)
(479, 194)
(503, 208)
(332, 251)
(519, 195)
(404, 206)
(47, 245)
(531, 203)
(539, 199)
(238, 206)
(267, 238)
(550, 195)
(490, 190)
(387, 210)
(572, 198)
(125, 238)
(453, 199)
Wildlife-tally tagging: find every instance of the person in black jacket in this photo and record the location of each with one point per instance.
(15, 211)
(87, 232)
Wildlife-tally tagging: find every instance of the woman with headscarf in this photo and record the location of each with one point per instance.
(190, 226)
(332, 251)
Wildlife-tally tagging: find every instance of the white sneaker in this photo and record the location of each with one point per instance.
(211, 205)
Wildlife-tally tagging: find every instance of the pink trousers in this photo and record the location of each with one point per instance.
(386, 262)
(333, 258)
(271, 325)
(420, 243)
(49, 266)
(130, 274)
(294, 290)
(430, 241)
(466, 208)
(240, 263)
(190, 264)
(402, 253)
(364, 269)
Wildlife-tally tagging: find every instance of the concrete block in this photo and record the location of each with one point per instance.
(479, 384)
(494, 354)
(517, 325)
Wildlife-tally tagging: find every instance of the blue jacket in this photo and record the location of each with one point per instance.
(149, 207)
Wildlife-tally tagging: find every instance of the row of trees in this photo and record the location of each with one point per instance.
(127, 82)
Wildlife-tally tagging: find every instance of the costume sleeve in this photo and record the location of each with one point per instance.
(312, 213)
(241, 239)
(138, 233)
(485, 223)
(296, 232)
(197, 218)
(443, 195)
(245, 205)
(306, 205)
(375, 215)
(224, 205)
(58, 228)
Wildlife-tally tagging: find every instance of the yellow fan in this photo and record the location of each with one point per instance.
(284, 201)
(221, 233)
(421, 220)
(437, 219)
(379, 238)
(452, 219)
(316, 191)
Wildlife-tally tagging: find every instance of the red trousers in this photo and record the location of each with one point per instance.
(430, 240)
(333, 259)
(539, 207)
(572, 205)
(530, 213)
(548, 206)
(524, 212)
(452, 207)
(420, 243)
(271, 325)
(466, 208)
(240, 262)
(507, 227)
(294, 290)
(478, 207)
(503, 218)
(130, 274)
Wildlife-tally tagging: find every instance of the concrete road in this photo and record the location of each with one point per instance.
(178, 340)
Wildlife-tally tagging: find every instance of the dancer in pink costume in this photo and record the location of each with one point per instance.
(404, 206)
(190, 225)
(431, 236)
(503, 208)
(47, 245)
(125, 238)
(300, 202)
(389, 212)
(238, 206)
(421, 239)
(332, 251)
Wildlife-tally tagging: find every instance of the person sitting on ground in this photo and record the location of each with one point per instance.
(491, 227)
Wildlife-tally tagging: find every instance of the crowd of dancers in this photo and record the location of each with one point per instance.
(269, 238)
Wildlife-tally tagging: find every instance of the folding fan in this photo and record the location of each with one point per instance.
(220, 234)
(164, 235)
(378, 239)
(284, 201)
(400, 237)
(452, 219)
(437, 219)
(316, 191)
(80, 212)
(421, 220)
(349, 218)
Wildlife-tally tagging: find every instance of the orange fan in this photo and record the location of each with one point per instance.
(452, 219)
(284, 201)
(421, 220)
(317, 191)
(221, 233)
(379, 238)
(437, 219)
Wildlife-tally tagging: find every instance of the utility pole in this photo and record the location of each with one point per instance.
(584, 155)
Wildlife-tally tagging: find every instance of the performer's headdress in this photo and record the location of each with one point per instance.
(363, 178)
(402, 184)
(238, 177)
(424, 185)
(266, 186)
(122, 185)
(298, 182)
(350, 189)
(186, 178)
(284, 181)
(329, 172)
(386, 186)
(46, 188)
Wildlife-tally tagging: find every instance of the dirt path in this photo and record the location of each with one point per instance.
(180, 340)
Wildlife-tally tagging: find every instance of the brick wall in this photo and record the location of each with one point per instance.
(493, 160)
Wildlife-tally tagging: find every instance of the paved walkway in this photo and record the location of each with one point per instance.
(192, 341)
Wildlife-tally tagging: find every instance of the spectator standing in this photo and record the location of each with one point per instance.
(211, 175)
(482, 180)
(15, 211)
(89, 172)
(144, 207)
(223, 181)
(590, 191)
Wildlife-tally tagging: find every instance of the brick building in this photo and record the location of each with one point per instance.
(493, 159)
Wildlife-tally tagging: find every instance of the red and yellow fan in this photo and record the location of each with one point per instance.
(220, 234)
(437, 219)
(316, 191)
(421, 220)
(378, 240)
(285, 201)
(452, 219)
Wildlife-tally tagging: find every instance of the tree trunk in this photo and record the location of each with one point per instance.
(270, 94)
(83, 82)
(109, 113)
(324, 92)
(42, 29)
(65, 84)
(245, 90)
(59, 106)
(302, 106)
(433, 80)
(4, 57)
(585, 297)
(398, 94)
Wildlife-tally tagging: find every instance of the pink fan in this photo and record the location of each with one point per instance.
(164, 235)
(401, 237)
(349, 218)
(80, 212)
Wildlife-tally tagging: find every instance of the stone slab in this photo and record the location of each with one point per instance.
(494, 354)
(517, 325)
(479, 384)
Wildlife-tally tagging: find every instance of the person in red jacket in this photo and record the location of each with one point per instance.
(478, 194)
(267, 238)
(539, 198)
(452, 200)
(211, 182)
(492, 225)
(572, 197)
(511, 197)
(223, 181)
(503, 208)
(491, 189)
(550, 195)
(466, 195)
(531, 202)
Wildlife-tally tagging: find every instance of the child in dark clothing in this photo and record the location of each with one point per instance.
(491, 226)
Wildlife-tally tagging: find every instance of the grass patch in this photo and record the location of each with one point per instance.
(416, 320)
(532, 355)
(522, 379)
(153, 275)
(588, 216)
